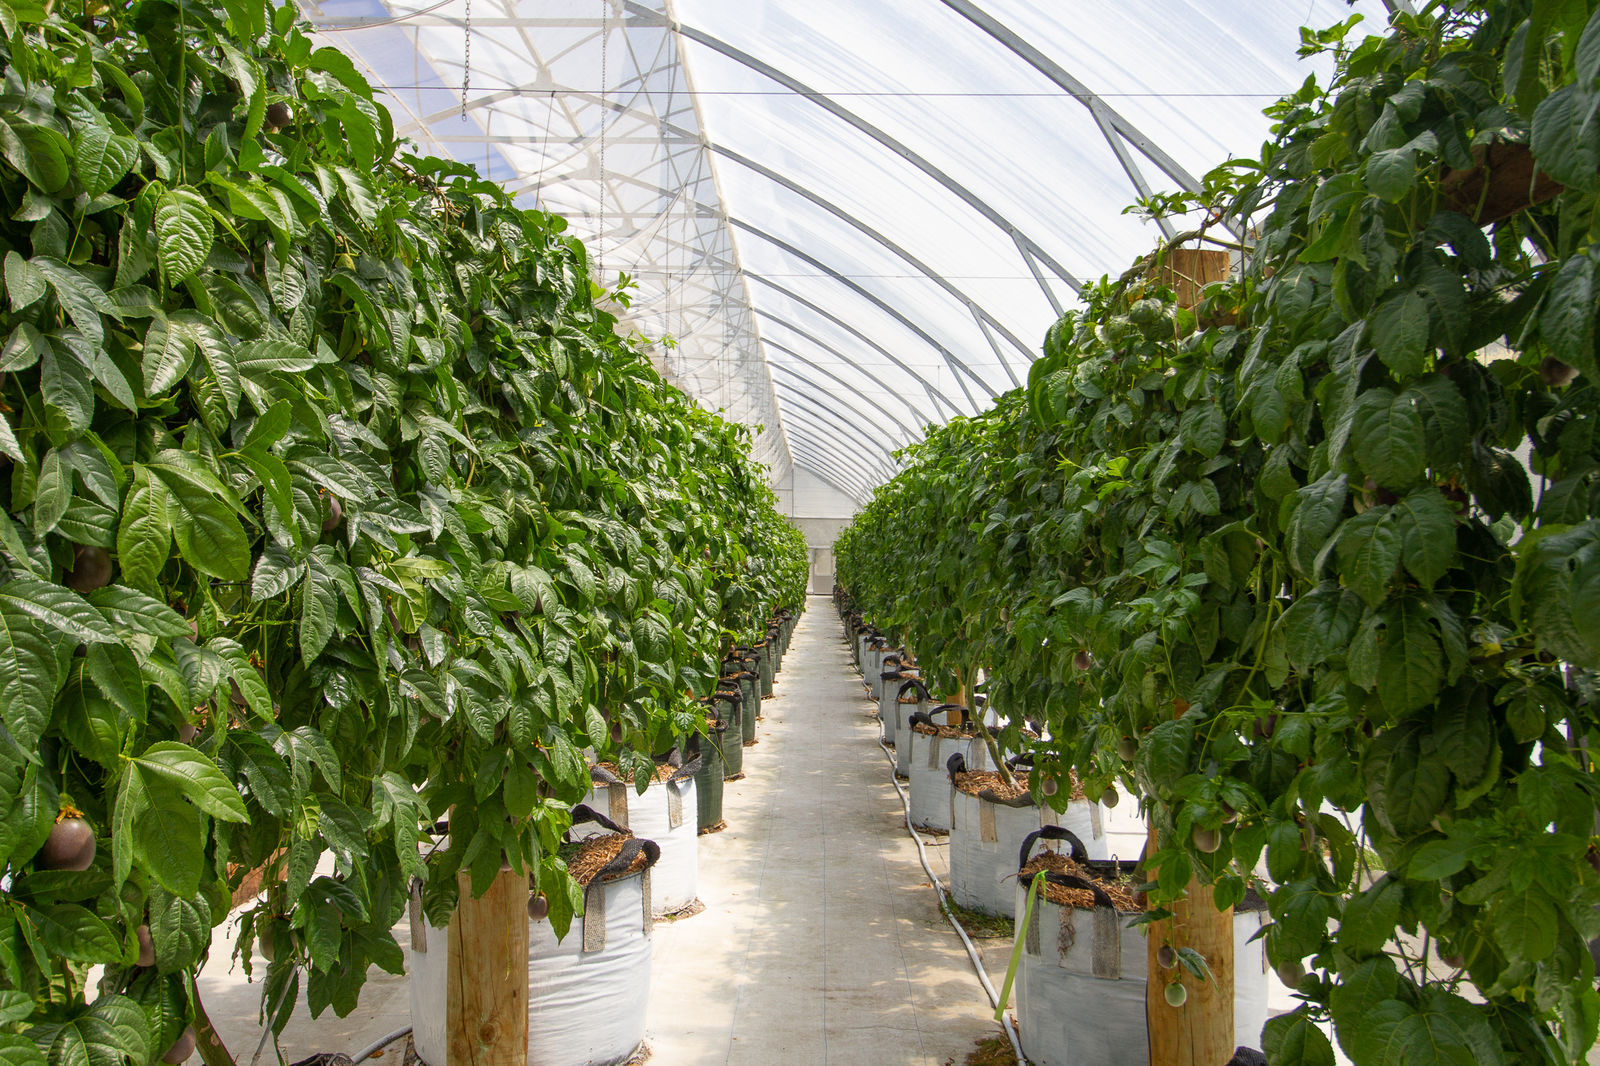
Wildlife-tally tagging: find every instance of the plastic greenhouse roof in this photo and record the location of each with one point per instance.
(851, 217)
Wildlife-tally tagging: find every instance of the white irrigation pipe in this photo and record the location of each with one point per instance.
(972, 952)
(367, 1052)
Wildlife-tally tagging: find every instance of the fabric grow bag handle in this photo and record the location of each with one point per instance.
(687, 770)
(966, 713)
(624, 858)
(956, 764)
(920, 718)
(600, 774)
(585, 813)
(916, 683)
(1080, 854)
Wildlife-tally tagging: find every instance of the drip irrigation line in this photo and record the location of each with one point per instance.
(368, 1051)
(972, 952)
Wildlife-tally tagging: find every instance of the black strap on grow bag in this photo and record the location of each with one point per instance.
(685, 769)
(624, 858)
(914, 683)
(585, 813)
(1080, 854)
(1021, 758)
(956, 764)
(601, 775)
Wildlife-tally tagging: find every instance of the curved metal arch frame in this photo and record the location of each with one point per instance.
(910, 434)
(857, 496)
(956, 364)
(839, 111)
(851, 430)
(813, 415)
(841, 463)
(987, 321)
(935, 397)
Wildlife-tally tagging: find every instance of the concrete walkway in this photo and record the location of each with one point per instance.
(821, 941)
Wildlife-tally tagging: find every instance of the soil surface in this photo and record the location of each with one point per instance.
(1120, 889)
(596, 852)
(663, 772)
(974, 782)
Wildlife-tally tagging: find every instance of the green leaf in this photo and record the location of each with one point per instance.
(1317, 510)
(113, 1031)
(1387, 439)
(1398, 329)
(1203, 429)
(196, 777)
(1565, 140)
(38, 152)
(1370, 918)
(1320, 625)
(1438, 859)
(183, 233)
(101, 157)
(57, 607)
(169, 837)
(180, 927)
(275, 355)
(138, 613)
(1369, 553)
(74, 932)
(1442, 1030)
(1525, 925)
(1392, 173)
(29, 677)
(24, 284)
(116, 674)
(208, 535)
(319, 604)
(19, 1050)
(169, 350)
(144, 538)
(1404, 790)
(1427, 527)
(53, 491)
(1567, 314)
(1293, 1040)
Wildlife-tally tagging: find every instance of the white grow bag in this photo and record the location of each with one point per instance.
(666, 813)
(901, 701)
(926, 759)
(985, 837)
(1081, 984)
(587, 995)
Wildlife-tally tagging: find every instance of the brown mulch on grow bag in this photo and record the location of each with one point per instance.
(949, 732)
(1121, 890)
(751, 743)
(736, 777)
(596, 852)
(770, 696)
(663, 772)
(715, 827)
(973, 782)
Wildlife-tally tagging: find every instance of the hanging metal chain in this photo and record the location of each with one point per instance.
(605, 40)
(466, 64)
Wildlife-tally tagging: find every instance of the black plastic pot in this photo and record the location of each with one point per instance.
(729, 744)
(708, 779)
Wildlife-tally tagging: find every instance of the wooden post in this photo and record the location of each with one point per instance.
(487, 1001)
(959, 699)
(1199, 1033)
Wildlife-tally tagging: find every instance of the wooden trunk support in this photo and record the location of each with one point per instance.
(487, 1001)
(1199, 1033)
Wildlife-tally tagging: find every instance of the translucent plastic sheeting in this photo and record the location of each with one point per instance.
(851, 217)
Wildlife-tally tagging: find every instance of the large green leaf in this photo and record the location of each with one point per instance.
(1293, 1040)
(1567, 315)
(1369, 553)
(183, 233)
(1387, 439)
(208, 534)
(59, 608)
(1404, 790)
(36, 151)
(1398, 329)
(112, 1031)
(101, 157)
(144, 538)
(195, 776)
(180, 927)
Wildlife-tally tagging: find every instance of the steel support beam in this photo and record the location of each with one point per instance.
(843, 113)
(911, 434)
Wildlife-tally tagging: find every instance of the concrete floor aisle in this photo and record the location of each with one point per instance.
(821, 941)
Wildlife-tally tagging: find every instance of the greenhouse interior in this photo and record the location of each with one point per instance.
(452, 450)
